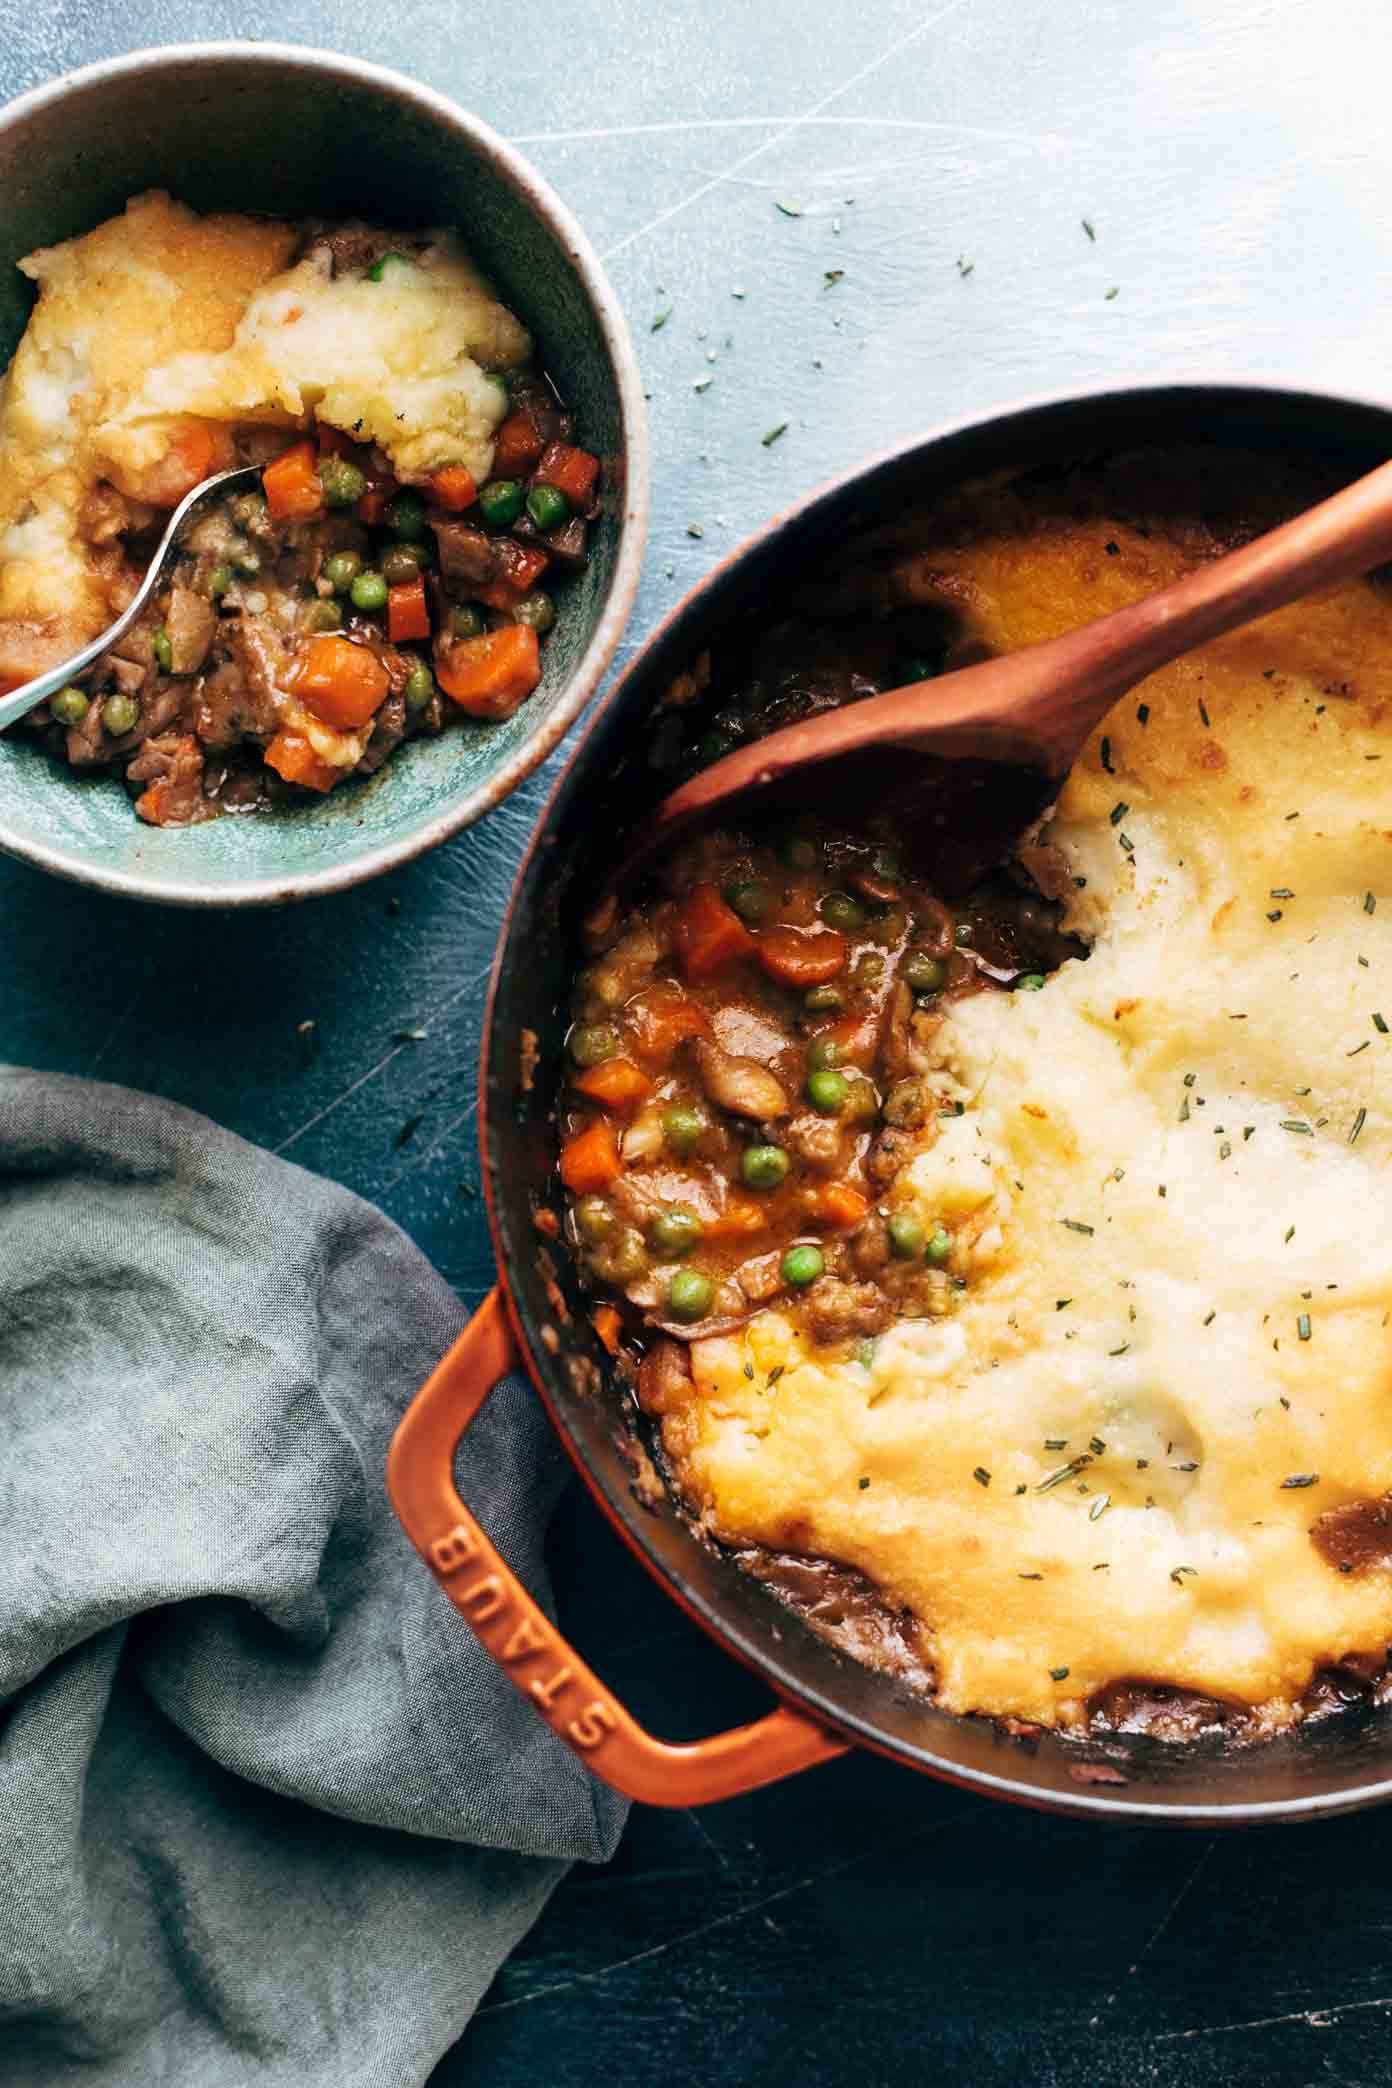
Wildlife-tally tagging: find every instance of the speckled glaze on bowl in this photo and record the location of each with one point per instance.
(277, 130)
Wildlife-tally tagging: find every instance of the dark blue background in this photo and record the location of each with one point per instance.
(858, 1925)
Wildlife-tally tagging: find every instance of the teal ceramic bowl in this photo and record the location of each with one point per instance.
(282, 131)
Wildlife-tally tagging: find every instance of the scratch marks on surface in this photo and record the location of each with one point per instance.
(720, 1921)
(1312, 2018)
(787, 124)
(1161, 1925)
(786, 131)
(473, 984)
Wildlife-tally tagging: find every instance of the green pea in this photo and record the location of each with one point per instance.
(594, 1219)
(69, 706)
(119, 715)
(939, 1247)
(689, 1295)
(218, 581)
(369, 592)
(682, 1127)
(406, 516)
(389, 265)
(1029, 982)
(839, 910)
(163, 652)
(675, 1230)
(924, 973)
(802, 1265)
(750, 901)
(625, 1260)
(342, 481)
(321, 616)
(402, 563)
(907, 1237)
(827, 1091)
(764, 1167)
(823, 1000)
(548, 507)
(591, 1043)
(799, 853)
(536, 610)
(823, 1052)
(869, 968)
(341, 569)
(500, 503)
(466, 621)
(420, 686)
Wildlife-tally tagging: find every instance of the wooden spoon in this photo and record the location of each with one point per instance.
(1035, 709)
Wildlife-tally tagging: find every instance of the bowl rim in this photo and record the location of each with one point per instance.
(545, 1369)
(524, 179)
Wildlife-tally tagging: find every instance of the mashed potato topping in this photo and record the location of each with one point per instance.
(1170, 1183)
(159, 330)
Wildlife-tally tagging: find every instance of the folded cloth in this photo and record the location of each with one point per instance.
(268, 1815)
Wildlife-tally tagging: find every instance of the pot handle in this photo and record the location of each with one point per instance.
(518, 1633)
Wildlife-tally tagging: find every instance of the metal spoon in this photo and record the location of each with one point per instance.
(22, 700)
(1035, 709)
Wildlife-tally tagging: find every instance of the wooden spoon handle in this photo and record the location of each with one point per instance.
(1080, 675)
(1035, 708)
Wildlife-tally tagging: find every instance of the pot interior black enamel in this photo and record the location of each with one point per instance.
(1327, 1765)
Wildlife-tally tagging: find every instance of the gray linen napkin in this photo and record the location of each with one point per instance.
(267, 1814)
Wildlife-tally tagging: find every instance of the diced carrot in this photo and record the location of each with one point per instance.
(615, 1082)
(709, 934)
(408, 612)
(572, 471)
(490, 676)
(293, 490)
(516, 446)
(372, 507)
(520, 567)
(590, 1160)
(837, 1205)
(291, 756)
(802, 957)
(454, 488)
(660, 1019)
(608, 1326)
(740, 1217)
(342, 683)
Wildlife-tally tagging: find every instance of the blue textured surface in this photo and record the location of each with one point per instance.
(1232, 157)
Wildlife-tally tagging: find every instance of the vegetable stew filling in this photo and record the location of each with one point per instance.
(745, 1088)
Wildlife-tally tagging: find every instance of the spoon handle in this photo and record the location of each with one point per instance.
(29, 695)
(1035, 708)
(1078, 676)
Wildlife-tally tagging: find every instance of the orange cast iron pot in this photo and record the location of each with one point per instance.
(538, 1317)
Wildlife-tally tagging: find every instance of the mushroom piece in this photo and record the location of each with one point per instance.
(740, 1085)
